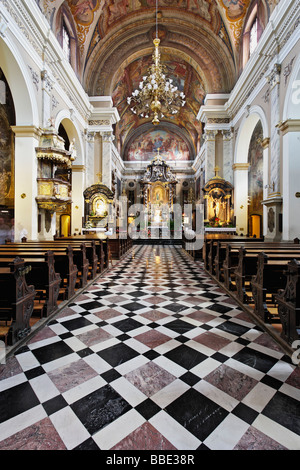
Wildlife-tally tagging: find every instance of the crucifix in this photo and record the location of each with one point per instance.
(99, 177)
(217, 170)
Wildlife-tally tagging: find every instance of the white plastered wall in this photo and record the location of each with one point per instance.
(291, 157)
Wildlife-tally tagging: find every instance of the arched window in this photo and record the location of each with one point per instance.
(66, 42)
(253, 36)
(254, 26)
(66, 35)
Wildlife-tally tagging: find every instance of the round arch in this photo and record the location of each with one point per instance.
(247, 127)
(241, 167)
(64, 118)
(78, 172)
(20, 82)
(26, 130)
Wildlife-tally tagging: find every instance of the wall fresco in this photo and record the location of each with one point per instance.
(255, 160)
(172, 147)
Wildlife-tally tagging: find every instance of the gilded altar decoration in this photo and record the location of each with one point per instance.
(54, 172)
(99, 200)
(217, 197)
(158, 188)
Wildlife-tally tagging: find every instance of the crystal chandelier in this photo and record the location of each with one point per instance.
(156, 93)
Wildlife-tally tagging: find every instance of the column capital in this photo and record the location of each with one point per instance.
(227, 134)
(78, 168)
(290, 125)
(27, 131)
(240, 166)
(107, 136)
(210, 135)
(265, 143)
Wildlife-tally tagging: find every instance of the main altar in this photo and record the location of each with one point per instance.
(158, 189)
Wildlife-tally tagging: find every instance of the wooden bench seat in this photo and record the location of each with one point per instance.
(228, 269)
(216, 267)
(63, 264)
(269, 279)
(16, 300)
(247, 267)
(43, 276)
(288, 301)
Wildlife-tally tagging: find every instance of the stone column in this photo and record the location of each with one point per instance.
(241, 196)
(107, 140)
(26, 210)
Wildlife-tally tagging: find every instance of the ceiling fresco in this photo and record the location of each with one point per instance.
(200, 45)
(184, 77)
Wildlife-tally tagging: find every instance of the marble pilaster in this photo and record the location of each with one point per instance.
(273, 202)
(47, 86)
(210, 154)
(107, 140)
(227, 156)
(274, 82)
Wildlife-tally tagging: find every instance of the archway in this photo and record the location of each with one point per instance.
(26, 137)
(7, 161)
(242, 165)
(290, 156)
(69, 131)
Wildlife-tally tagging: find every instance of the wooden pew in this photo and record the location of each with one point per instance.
(100, 247)
(211, 245)
(94, 251)
(63, 263)
(16, 299)
(43, 277)
(231, 259)
(247, 267)
(269, 279)
(216, 261)
(288, 301)
(81, 259)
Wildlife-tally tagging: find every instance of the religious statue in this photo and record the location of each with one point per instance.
(72, 151)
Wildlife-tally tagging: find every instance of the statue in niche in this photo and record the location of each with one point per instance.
(216, 205)
(72, 151)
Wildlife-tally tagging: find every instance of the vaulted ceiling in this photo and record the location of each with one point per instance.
(200, 43)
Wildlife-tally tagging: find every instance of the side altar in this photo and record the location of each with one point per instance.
(218, 211)
(99, 205)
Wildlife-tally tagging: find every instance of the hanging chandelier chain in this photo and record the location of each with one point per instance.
(156, 93)
(156, 19)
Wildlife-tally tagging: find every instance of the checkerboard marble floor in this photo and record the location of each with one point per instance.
(152, 356)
